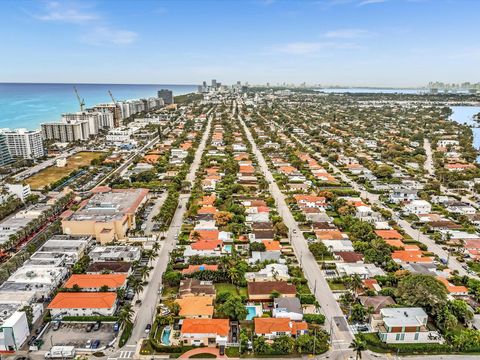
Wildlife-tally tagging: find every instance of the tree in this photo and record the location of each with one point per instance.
(358, 313)
(222, 218)
(104, 288)
(125, 315)
(234, 308)
(383, 171)
(422, 290)
(280, 229)
(355, 282)
(460, 309)
(318, 250)
(260, 346)
(358, 346)
(172, 278)
(195, 236)
(283, 345)
(316, 342)
(257, 246)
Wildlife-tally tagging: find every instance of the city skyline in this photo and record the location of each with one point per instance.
(338, 42)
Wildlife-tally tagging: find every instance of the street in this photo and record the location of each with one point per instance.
(335, 322)
(150, 295)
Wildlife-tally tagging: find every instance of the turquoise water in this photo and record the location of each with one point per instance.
(464, 115)
(166, 335)
(252, 312)
(28, 105)
(228, 248)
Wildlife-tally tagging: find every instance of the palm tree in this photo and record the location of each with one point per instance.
(144, 272)
(125, 315)
(137, 287)
(155, 247)
(195, 236)
(358, 346)
(355, 282)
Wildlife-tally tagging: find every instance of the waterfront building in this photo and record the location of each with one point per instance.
(23, 143)
(166, 95)
(66, 131)
(5, 157)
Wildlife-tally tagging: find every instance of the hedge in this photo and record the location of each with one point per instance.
(127, 331)
(376, 345)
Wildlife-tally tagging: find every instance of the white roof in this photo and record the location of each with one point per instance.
(403, 316)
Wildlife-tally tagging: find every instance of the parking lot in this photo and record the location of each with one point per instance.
(75, 334)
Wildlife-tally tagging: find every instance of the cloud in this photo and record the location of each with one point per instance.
(106, 35)
(300, 48)
(94, 28)
(370, 2)
(54, 11)
(313, 47)
(347, 34)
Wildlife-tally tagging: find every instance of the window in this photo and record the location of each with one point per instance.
(397, 337)
(416, 336)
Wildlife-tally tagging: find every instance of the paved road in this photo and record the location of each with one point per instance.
(453, 263)
(428, 165)
(341, 336)
(149, 222)
(150, 294)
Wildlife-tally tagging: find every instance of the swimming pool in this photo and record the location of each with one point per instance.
(166, 335)
(252, 312)
(228, 248)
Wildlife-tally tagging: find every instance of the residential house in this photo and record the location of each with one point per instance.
(205, 332)
(287, 307)
(270, 328)
(404, 325)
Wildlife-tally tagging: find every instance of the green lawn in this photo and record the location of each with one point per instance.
(226, 287)
(336, 286)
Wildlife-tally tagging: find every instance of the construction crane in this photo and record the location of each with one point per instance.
(80, 100)
(111, 96)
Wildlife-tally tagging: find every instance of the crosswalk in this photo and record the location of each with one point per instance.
(123, 355)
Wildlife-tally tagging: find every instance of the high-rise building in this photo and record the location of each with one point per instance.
(23, 143)
(66, 130)
(166, 95)
(214, 83)
(5, 157)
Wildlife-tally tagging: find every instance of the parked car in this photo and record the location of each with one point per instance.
(96, 344)
(32, 340)
(97, 326)
(116, 327)
(89, 327)
(56, 325)
(88, 345)
(148, 328)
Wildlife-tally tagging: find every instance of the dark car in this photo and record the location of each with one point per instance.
(95, 344)
(222, 350)
(362, 328)
(89, 328)
(97, 326)
(148, 328)
(116, 327)
(32, 340)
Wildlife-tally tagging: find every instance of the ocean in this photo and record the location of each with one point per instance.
(28, 105)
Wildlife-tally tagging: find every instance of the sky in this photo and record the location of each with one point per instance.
(328, 42)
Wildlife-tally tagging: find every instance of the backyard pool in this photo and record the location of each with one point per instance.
(228, 248)
(252, 312)
(166, 335)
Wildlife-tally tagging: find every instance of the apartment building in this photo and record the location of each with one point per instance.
(66, 131)
(107, 215)
(23, 143)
